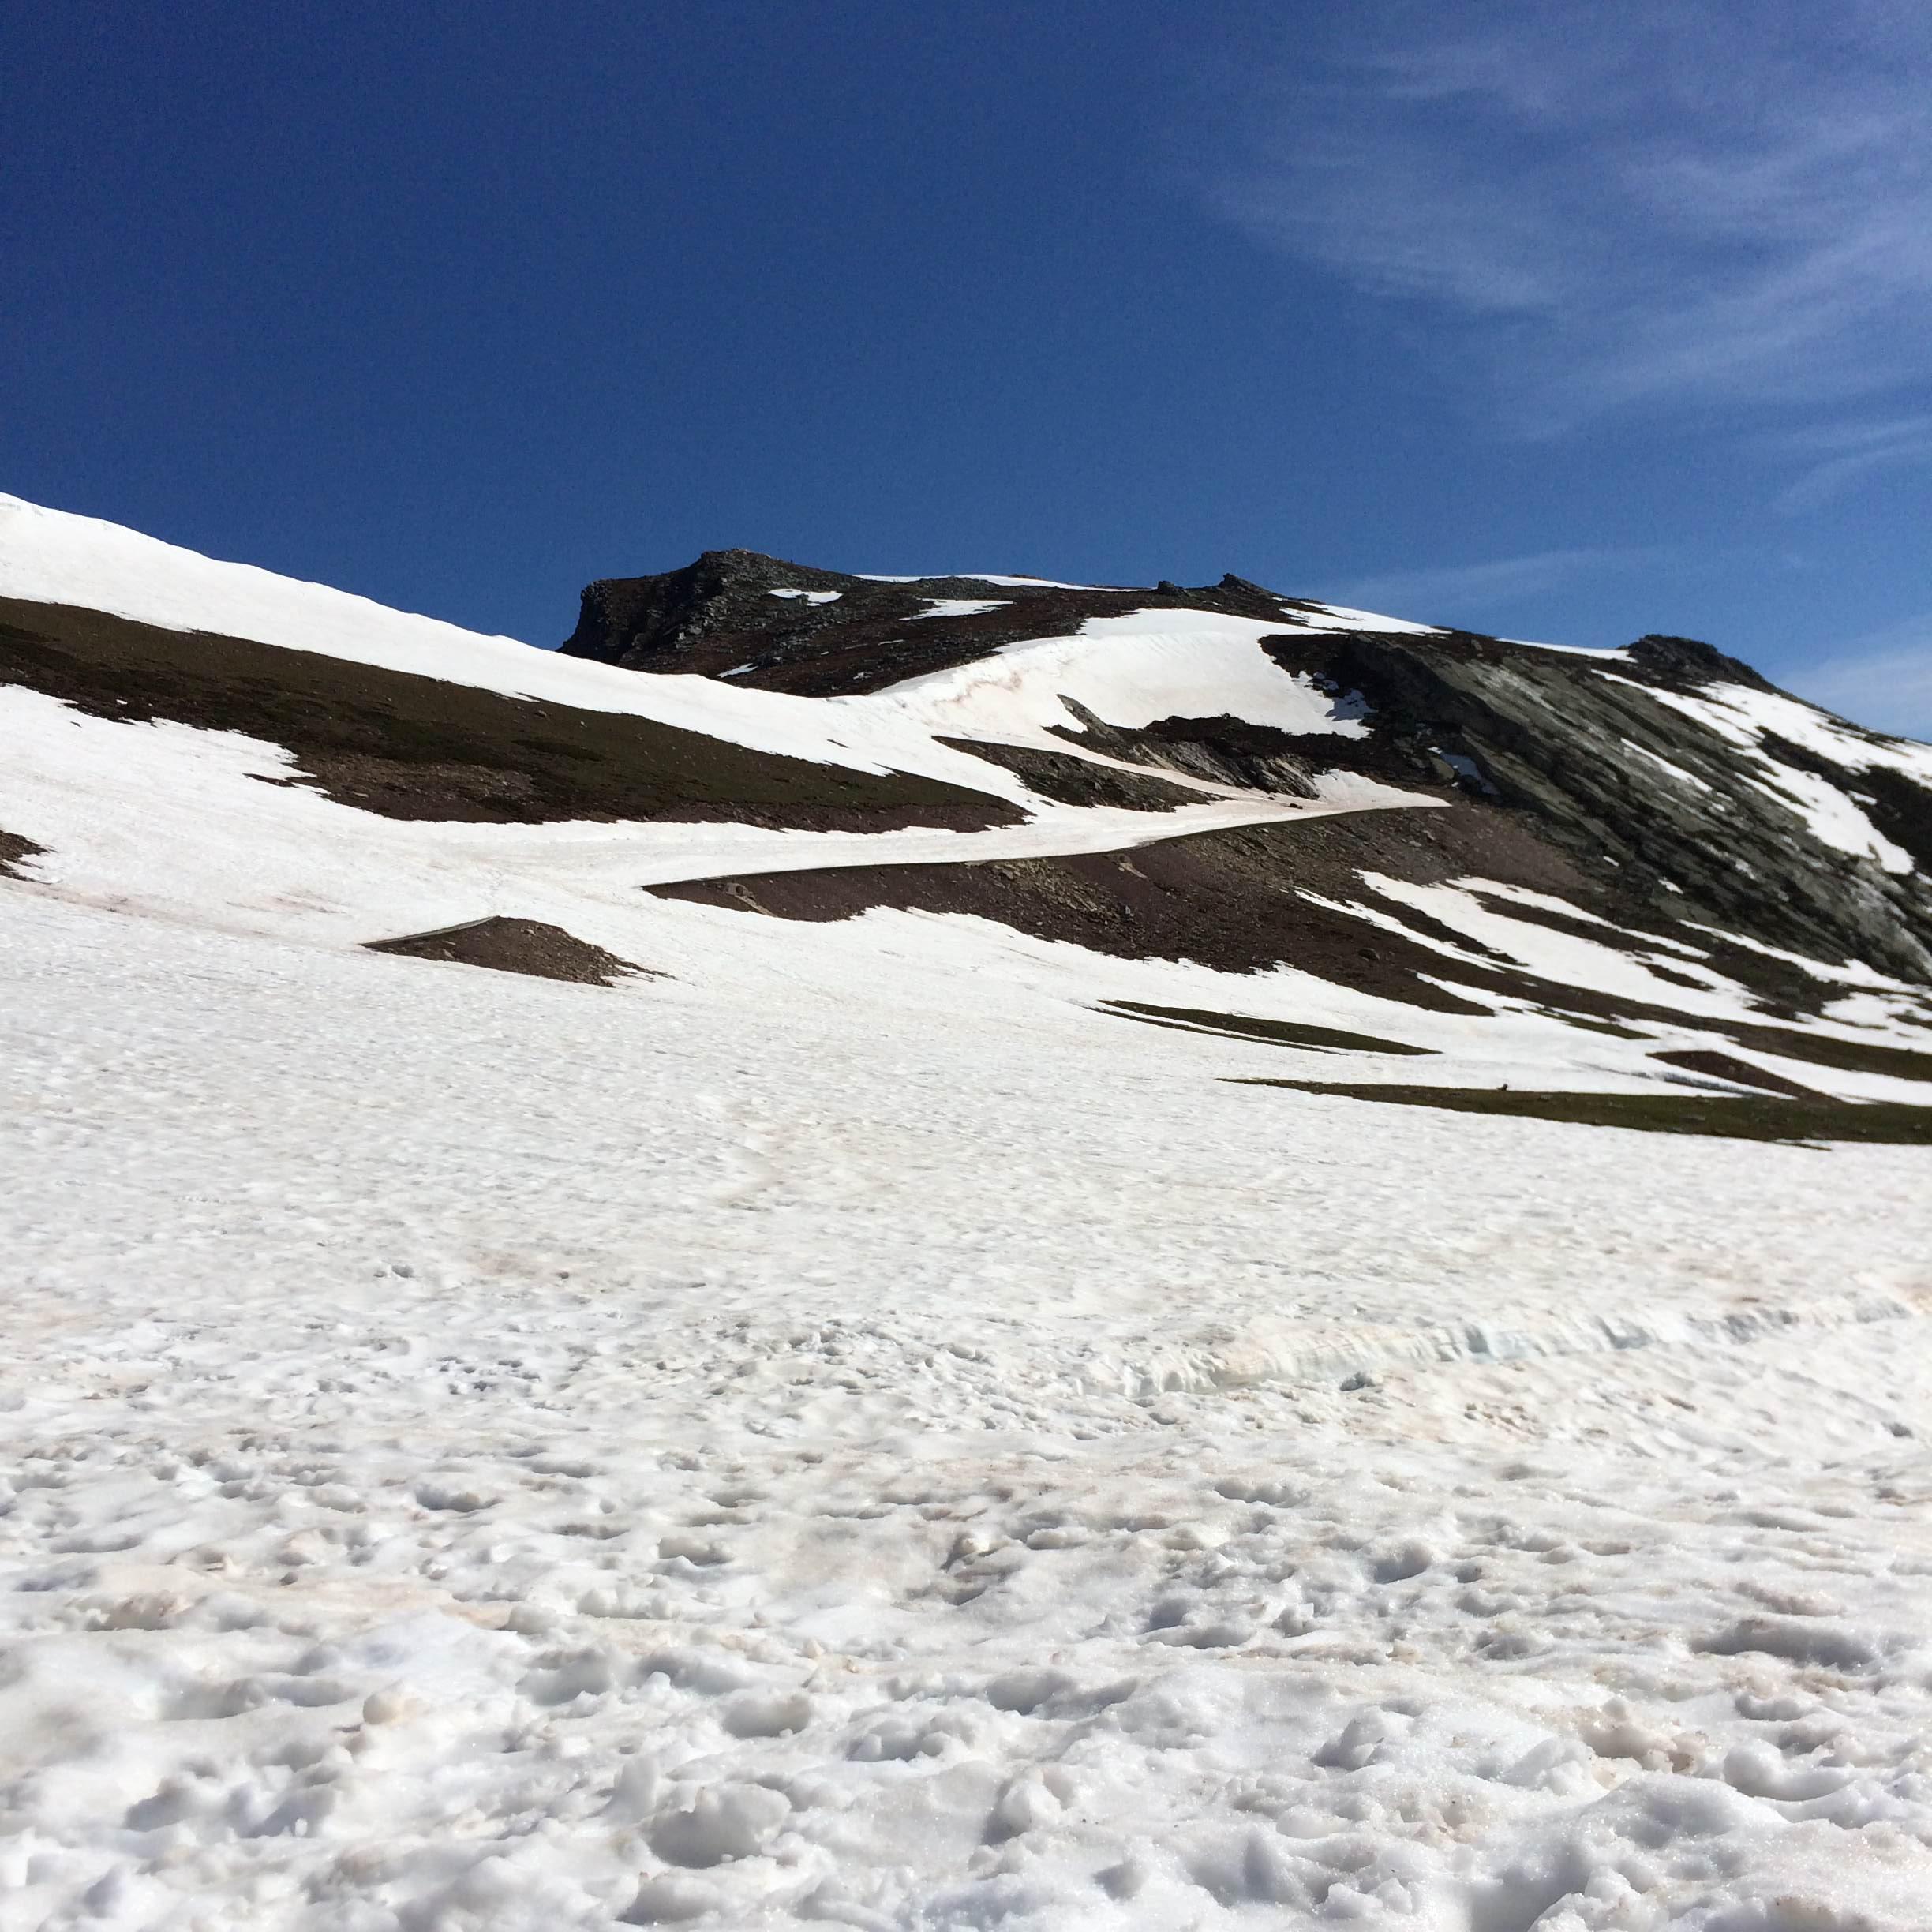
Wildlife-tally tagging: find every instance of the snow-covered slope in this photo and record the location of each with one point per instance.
(49, 557)
(891, 1420)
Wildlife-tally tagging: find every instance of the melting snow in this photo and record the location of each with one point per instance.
(1745, 716)
(1339, 617)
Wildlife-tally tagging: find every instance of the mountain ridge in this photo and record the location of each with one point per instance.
(1645, 868)
(1537, 728)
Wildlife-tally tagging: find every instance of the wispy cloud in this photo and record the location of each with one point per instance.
(1842, 456)
(1459, 589)
(1688, 203)
(1883, 679)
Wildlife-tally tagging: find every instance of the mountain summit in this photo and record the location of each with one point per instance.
(1667, 781)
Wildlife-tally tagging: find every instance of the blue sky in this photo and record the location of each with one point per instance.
(1558, 322)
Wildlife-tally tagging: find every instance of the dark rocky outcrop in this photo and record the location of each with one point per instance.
(1647, 801)
(14, 849)
(739, 614)
(1225, 750)
(1071, 780)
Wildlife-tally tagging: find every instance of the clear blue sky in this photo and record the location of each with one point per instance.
(1559, 322)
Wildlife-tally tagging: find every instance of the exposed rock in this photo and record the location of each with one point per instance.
(1641, 797)
(519, 945)
(786, 627)
(1078, 781)
(1224, 751)
(1673, 823)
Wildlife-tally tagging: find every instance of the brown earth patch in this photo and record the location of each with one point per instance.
(1238, 901)
(405, 747)
(1279, 1033)
(1224, 750)
(13, 849)
(1823, 1050)
(517, 946)
(1070, 780)
(1223, 899)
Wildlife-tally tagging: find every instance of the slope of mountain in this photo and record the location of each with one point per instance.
(1669, 781)
(1023, 1302)
(1624, 857)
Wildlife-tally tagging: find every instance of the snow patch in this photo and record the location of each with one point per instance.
(961, 607)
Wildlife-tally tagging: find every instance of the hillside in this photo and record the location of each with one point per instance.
(950, 1251)
(1614, 860)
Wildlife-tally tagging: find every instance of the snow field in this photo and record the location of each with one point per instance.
(488, 1453)
(848, 1434)
(169, 822)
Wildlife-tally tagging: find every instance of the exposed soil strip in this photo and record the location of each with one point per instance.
(1880, 1122)
(1282, 1032)
(519, 945)
(405, 747)
(1237, 901)
(1739, 1073)
(1224, 750)
(1223, 899)
(1070, 780)
(1821, 1050)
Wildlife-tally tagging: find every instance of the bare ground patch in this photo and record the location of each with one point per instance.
(1717, 1117)
(413, 747)
(1739, 1073)
(1070, 780)
(1279, 1033)
(13, 849)
(519, 945)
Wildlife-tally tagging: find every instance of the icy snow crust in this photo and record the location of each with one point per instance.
(848, 1434)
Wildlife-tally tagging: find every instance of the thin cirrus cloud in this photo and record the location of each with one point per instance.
(1682, 205)
(1887, 673)
(1840, 456)
(1476, 587)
